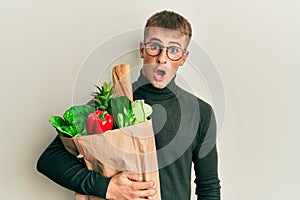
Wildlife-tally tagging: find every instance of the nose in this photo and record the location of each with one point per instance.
(162, 57)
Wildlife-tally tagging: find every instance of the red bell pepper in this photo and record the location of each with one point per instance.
(99, 122)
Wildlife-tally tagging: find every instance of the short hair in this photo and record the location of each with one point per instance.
(170, 20)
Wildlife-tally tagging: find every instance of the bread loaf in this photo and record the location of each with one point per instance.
(122, 81)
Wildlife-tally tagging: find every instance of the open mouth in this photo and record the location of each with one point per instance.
(159, 75)
(160, 72)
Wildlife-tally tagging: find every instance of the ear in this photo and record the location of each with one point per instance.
(141, 49)
(184, 57)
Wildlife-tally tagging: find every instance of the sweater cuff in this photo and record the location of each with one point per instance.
(101, 185)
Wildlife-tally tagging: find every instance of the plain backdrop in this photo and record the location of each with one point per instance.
(254, 45)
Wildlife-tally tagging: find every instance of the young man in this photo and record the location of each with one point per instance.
(184, 126)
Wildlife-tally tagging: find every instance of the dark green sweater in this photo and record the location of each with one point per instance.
(185, 132)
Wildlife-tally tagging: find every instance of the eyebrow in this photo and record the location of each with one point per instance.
(158, 40)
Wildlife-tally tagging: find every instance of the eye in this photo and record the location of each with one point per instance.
(155, 46)
(173, 49)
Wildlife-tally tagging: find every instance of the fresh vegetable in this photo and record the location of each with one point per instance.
(73, 123)
(141, 110)
(105, 113)
(99, 122)
(102, 96)
(121, 110)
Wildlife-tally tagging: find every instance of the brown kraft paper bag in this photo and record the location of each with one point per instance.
(129, 148)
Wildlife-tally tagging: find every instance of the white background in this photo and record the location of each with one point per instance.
(254, 44)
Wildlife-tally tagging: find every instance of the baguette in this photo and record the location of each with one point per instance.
(122, 81)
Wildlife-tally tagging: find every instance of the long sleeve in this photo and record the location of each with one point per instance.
(64, 169)
(206, 161)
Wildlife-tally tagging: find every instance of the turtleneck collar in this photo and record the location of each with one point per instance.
(143, 89)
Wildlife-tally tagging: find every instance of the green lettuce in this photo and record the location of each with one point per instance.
(73, 123)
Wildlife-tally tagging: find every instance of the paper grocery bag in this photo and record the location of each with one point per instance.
(130, 149)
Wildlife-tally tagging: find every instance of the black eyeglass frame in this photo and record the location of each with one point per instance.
(161, 47)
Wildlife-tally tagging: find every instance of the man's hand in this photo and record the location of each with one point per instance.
(125, 186)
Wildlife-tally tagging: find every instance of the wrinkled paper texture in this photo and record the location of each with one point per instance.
(130, 149)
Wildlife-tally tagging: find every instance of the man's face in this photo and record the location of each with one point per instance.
(160, 69)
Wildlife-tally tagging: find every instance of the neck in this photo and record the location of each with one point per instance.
(143, 89)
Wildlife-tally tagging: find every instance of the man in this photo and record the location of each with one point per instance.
(184, 126)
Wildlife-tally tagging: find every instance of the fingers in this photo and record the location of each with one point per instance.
(130, 186)
(133, 176)
(145, 193)
(142, 185)
(142, 189)
(138, 183)
(142, 194)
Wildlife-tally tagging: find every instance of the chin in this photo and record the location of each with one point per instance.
(158, 85)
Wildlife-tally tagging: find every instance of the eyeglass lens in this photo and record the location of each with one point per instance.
(154, 49)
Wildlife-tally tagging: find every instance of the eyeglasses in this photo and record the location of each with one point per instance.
(154, 49)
